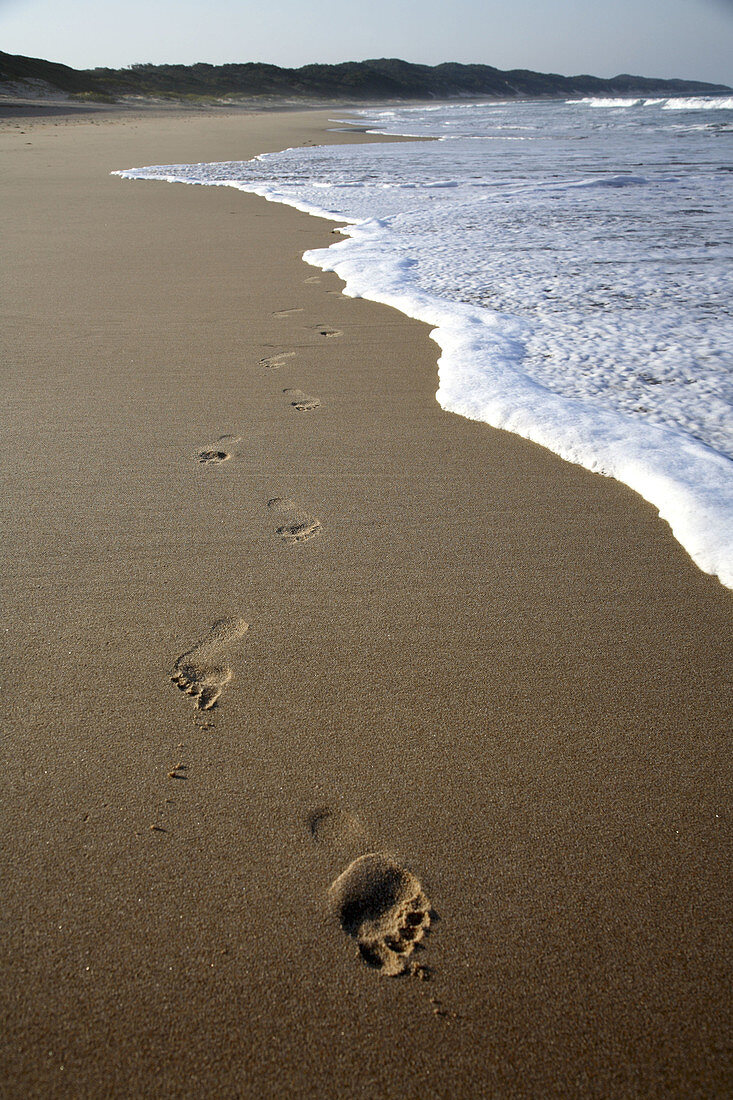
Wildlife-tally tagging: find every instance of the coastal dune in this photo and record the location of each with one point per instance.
(351, 748)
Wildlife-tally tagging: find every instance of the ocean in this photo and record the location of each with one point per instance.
(574, 261)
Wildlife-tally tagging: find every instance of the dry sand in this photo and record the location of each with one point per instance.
(495, 670)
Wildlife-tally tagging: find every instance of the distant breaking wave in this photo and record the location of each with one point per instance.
(675, 103)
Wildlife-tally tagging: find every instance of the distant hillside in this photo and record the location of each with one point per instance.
(352, 80)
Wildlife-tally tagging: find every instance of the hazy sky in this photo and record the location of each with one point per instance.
(685, 38)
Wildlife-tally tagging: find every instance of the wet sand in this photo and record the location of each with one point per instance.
(407, 634)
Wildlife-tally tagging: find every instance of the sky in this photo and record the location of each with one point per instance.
(691, 39)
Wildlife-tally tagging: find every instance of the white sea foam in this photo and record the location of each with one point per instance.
(579, 284)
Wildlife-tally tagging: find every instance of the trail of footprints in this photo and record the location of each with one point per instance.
(378, 903)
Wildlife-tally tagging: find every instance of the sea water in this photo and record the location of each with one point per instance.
(574, 261)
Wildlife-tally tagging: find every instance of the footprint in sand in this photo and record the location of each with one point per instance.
(384, 908)
(330, 826)
(287, 312)
(272, 362)
(300, 527)
(330, 333)
(203, 671)
(312, 279)
(212, 456)
(301, 401)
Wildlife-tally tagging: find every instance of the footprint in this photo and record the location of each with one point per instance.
(202, 671)
(287, 312)
(301, 401)
(312, 279)
(215, 454)
(212, 458)
(384, 908)
(300, 526)
(272, 362)
(330, 332)
(330, 826)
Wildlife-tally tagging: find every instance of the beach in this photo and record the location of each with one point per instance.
(492, 668)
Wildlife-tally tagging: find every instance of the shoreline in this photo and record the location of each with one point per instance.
(496, 668)
(693, 493)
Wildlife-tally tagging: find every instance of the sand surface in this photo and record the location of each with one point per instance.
(494, 670)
